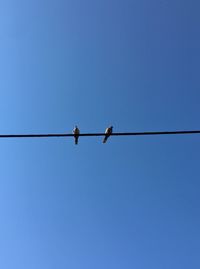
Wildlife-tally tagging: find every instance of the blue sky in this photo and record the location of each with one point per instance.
(133, 202)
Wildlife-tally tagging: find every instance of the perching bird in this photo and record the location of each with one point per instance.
(108, 132)
(76, 133)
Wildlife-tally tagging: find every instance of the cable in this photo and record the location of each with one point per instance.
(99, 134)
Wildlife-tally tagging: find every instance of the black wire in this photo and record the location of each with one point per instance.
(99, 134)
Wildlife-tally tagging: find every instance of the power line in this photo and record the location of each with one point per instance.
(100, 134)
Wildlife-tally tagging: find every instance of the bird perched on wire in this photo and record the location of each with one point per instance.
(108, 132)
(76, 133)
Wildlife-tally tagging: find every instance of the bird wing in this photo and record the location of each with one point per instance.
(76, 131)
(107, 131)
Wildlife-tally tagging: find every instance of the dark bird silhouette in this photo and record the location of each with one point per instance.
(108, 132)
(76, 133)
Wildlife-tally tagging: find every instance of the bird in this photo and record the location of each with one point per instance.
(108, 132)
(76, 133)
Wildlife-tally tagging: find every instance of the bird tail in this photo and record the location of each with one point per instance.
(105, 139)
(76, 140)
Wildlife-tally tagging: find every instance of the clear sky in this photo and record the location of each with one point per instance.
(133, 202)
